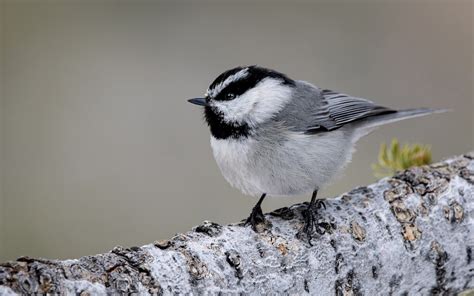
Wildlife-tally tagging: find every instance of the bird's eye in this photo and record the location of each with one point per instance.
(229, 96)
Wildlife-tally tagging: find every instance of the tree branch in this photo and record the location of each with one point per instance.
(410, 234)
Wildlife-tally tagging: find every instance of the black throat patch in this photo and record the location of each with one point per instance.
(221, 129)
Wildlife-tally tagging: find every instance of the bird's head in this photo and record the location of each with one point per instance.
(242, 98)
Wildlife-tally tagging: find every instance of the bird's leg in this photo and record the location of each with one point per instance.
(256, 217)
(310, 215)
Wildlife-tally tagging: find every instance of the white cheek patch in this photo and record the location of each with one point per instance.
(256, 105)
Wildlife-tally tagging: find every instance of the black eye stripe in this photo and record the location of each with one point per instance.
(240, 86)
(236, 88)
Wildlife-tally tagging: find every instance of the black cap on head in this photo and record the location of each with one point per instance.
(236, 81)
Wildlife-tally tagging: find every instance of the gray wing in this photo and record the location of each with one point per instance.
(338, 109)
(315, 110)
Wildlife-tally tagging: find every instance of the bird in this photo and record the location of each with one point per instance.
(276, 136)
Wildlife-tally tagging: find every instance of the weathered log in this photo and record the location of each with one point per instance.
(410, 234)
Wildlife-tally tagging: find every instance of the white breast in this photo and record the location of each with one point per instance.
(289, 164)
(234, 156)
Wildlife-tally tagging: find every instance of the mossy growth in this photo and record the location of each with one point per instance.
(397, 158)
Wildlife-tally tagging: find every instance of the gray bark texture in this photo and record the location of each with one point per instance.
(406, 235)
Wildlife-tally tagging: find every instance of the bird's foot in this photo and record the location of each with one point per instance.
(311, 222)
(256, 219)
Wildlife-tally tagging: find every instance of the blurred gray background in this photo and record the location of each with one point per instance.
(100, 148)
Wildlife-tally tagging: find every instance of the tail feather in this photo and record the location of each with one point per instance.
(367, 125)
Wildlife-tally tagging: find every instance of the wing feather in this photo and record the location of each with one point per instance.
(337, 109)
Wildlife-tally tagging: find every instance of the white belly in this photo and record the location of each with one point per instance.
(295, 164)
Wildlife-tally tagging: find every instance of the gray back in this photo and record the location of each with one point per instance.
(314, 110)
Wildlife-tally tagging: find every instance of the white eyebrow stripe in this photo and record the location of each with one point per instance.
(218, 88)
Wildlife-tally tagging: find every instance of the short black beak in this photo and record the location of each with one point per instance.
(198, 101)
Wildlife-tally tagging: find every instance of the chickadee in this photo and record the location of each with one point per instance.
(274, 135)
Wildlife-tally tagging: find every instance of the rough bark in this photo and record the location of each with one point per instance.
(406, 235)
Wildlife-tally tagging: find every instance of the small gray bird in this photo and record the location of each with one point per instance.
(274, 135)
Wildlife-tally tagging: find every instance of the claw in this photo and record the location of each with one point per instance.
(312, 224)
(309, 221)
(255, 218)
(320, 204)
